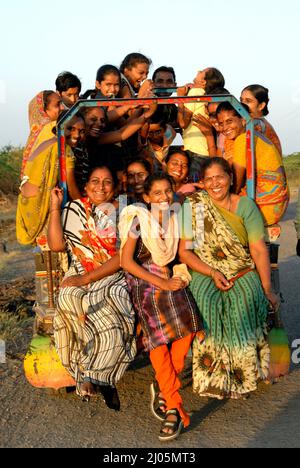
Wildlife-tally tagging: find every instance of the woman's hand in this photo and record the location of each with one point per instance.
(273, 299)
(183, 90)
(144, 131)
(74, 282)
(56, 198)
(203, 124)
(220, 281)
(146, 90)
(150, 111)
(173, 284)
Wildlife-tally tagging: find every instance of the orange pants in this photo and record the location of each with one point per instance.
(168, 364)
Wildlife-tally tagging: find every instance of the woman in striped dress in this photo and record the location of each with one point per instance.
(94, 323)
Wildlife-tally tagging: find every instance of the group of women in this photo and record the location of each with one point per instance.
(185, 263)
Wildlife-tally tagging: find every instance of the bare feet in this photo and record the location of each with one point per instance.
(170, 418)
(88, 389)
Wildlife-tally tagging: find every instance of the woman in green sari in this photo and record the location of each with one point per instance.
(223, 244)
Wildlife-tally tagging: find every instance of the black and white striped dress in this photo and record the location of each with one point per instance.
(94, 325)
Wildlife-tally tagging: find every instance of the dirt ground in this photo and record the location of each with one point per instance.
(35, 418)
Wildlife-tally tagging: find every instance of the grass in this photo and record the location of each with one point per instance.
(10, 167)
(13, 328)
(292, 167)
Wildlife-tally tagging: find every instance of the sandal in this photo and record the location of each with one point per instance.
(157, 403)
(175, 426)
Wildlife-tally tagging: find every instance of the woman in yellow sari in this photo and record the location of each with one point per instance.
(272, 192)
(256, 97)
(40, 177)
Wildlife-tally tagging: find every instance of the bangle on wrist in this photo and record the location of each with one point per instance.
(212, 273)
(55, 209)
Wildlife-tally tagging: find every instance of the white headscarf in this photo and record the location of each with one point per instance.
(161, 243)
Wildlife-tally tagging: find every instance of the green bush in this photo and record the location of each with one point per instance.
(292, 167)
(10, 167)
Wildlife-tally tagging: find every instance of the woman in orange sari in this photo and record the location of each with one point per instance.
(256, 97)
(272, 192)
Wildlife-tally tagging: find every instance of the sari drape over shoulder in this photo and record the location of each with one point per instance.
(38, 118)
(224, 246)
(162, 244)
(41, 171)
(265, 128)
(272, 191)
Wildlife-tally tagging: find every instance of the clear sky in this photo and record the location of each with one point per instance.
(250, 42)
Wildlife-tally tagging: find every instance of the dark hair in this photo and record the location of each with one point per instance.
(159, 117)
(102, 72)
(103, 166)
(219, 91)
(86, 110)
(107, 70)
(78, 115)
(67, 80)
(261, 94)
(157, 177)
(227, 107)
(179, 151)
(209, 162)
(131, 60)
(46, 98)
(164, 70)
(139, 160)
(214, 79)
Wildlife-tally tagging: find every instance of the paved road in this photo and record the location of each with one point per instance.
(270, 418)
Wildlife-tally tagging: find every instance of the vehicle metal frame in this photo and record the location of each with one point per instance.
(159, 100)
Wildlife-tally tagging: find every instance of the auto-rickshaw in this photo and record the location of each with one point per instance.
(42, 365)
